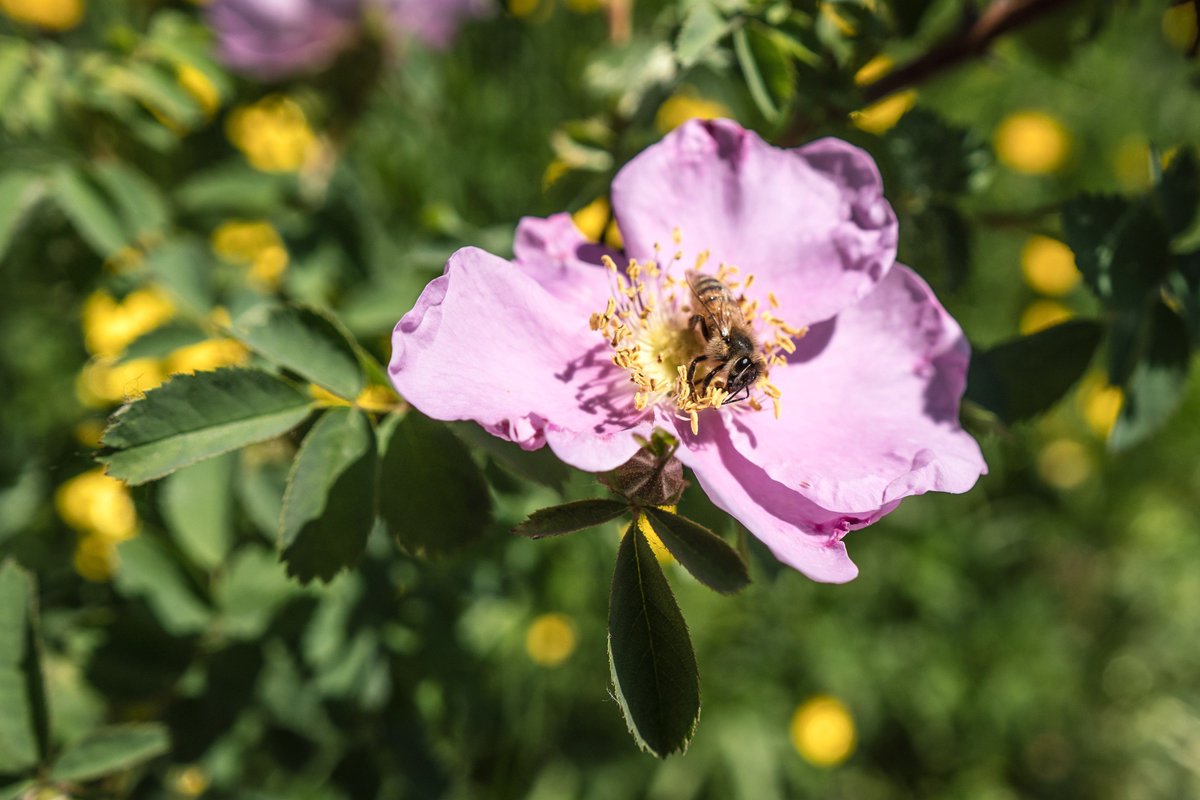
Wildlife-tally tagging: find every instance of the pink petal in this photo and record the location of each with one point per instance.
(811, 223)
(487, 342)
(799, 532)
(870, 405)
(553, 252)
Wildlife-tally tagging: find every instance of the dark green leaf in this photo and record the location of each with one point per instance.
(1156, 386)
(110, 750)
(650, 653)
(194, 417)
(17, 791)
(707, 556)
(149, 570)
(306, 342)
(541, 466)
(702, 28)
(18, 192)
(1179, 191)
(1127, 332)
(432, 497)
(89, 211)
(329, 505)
(195, 503)
(22, 694)
(569, 517)
(1022, 377)
(1121, 249)
(932, 156)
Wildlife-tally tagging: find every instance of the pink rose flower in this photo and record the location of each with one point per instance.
(577, 347)
(273, 39)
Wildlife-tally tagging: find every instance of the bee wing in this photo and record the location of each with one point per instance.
(717, 301)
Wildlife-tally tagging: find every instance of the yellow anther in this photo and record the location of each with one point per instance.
(607, 261)
(701, 259)
(778, 407)
(786, 345)
(695, 422)
(749, 281)
(770, 390)
(677, 236)
(773, 300)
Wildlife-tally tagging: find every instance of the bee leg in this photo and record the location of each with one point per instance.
(691, 373)
(699, 319)
(709, 378)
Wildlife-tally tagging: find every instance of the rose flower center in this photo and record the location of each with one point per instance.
(693, 340)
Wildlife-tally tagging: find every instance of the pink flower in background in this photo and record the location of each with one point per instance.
(579, 348)
(272, 39)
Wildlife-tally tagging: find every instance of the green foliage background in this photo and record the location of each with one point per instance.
(1033, 638)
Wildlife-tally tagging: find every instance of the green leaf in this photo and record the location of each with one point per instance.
(702, 28)
(432, 497)
(329, 505)
(109, 750)
(306, 342)
(569, 517)
(183, 267)
(19, 191)
(194, 417)
(196, 506)
(709, 558)
(143, 208)
(1022, 377)
(1121, 249)
(17, 791)
(23, 720)
(650, 653)
(249, 590)
(89, 212)
(932, 156)
(162, 341)
(1156, 385)
(1179, 191)
(769, 72)
(540, 466)
(233, 189)
(149, 570)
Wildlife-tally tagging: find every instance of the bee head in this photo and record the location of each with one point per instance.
(743, 373)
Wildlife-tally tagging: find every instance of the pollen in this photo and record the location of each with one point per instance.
(650, 323)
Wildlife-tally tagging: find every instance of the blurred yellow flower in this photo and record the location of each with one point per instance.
(522, 8)
(1131, 164)
(1064, 464)
(613, 237)
(102, 382)
(822, 731)
(1179, 25)
(1042, 314)
(200, 87)
(845, 26)
(95, 558)
(684, 105)
(97, 505)
(592, 219)
(109, 325)
(880, 116)
(89, 432)
(325, 397)
(191, 782)
(273, 134)
(377, 399)
(1101, 405)
(255, 244)
(1032, 142)
(206, 356)
(51, 15)
(550, 639)
(1048, 266)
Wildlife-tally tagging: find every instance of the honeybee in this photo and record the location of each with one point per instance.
(728, 340)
